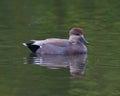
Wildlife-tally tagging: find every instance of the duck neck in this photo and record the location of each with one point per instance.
(74, 40)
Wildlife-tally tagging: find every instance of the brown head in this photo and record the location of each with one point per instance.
(76, 31)
(77, 35)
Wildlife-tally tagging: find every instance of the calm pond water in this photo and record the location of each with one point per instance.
(25, 74)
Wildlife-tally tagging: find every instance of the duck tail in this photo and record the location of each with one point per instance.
(31, 46)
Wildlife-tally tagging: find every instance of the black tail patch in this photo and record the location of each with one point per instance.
(33, 48)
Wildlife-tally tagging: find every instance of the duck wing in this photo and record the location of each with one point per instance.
(53, 41)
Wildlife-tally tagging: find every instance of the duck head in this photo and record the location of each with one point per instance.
(77, 36)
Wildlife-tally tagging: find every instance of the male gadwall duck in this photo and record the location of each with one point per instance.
(73, 45)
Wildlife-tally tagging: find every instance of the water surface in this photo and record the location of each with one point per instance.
(23, 20)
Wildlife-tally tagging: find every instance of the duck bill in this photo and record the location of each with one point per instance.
(83, 40)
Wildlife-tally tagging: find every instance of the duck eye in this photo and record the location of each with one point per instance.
(77, 34)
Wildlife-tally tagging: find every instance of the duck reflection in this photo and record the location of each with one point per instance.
(76, 63)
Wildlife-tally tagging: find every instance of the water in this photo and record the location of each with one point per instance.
(23, 74)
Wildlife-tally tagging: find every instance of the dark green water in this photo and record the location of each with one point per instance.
(23, 20)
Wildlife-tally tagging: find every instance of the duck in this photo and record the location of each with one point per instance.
(75, 44)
